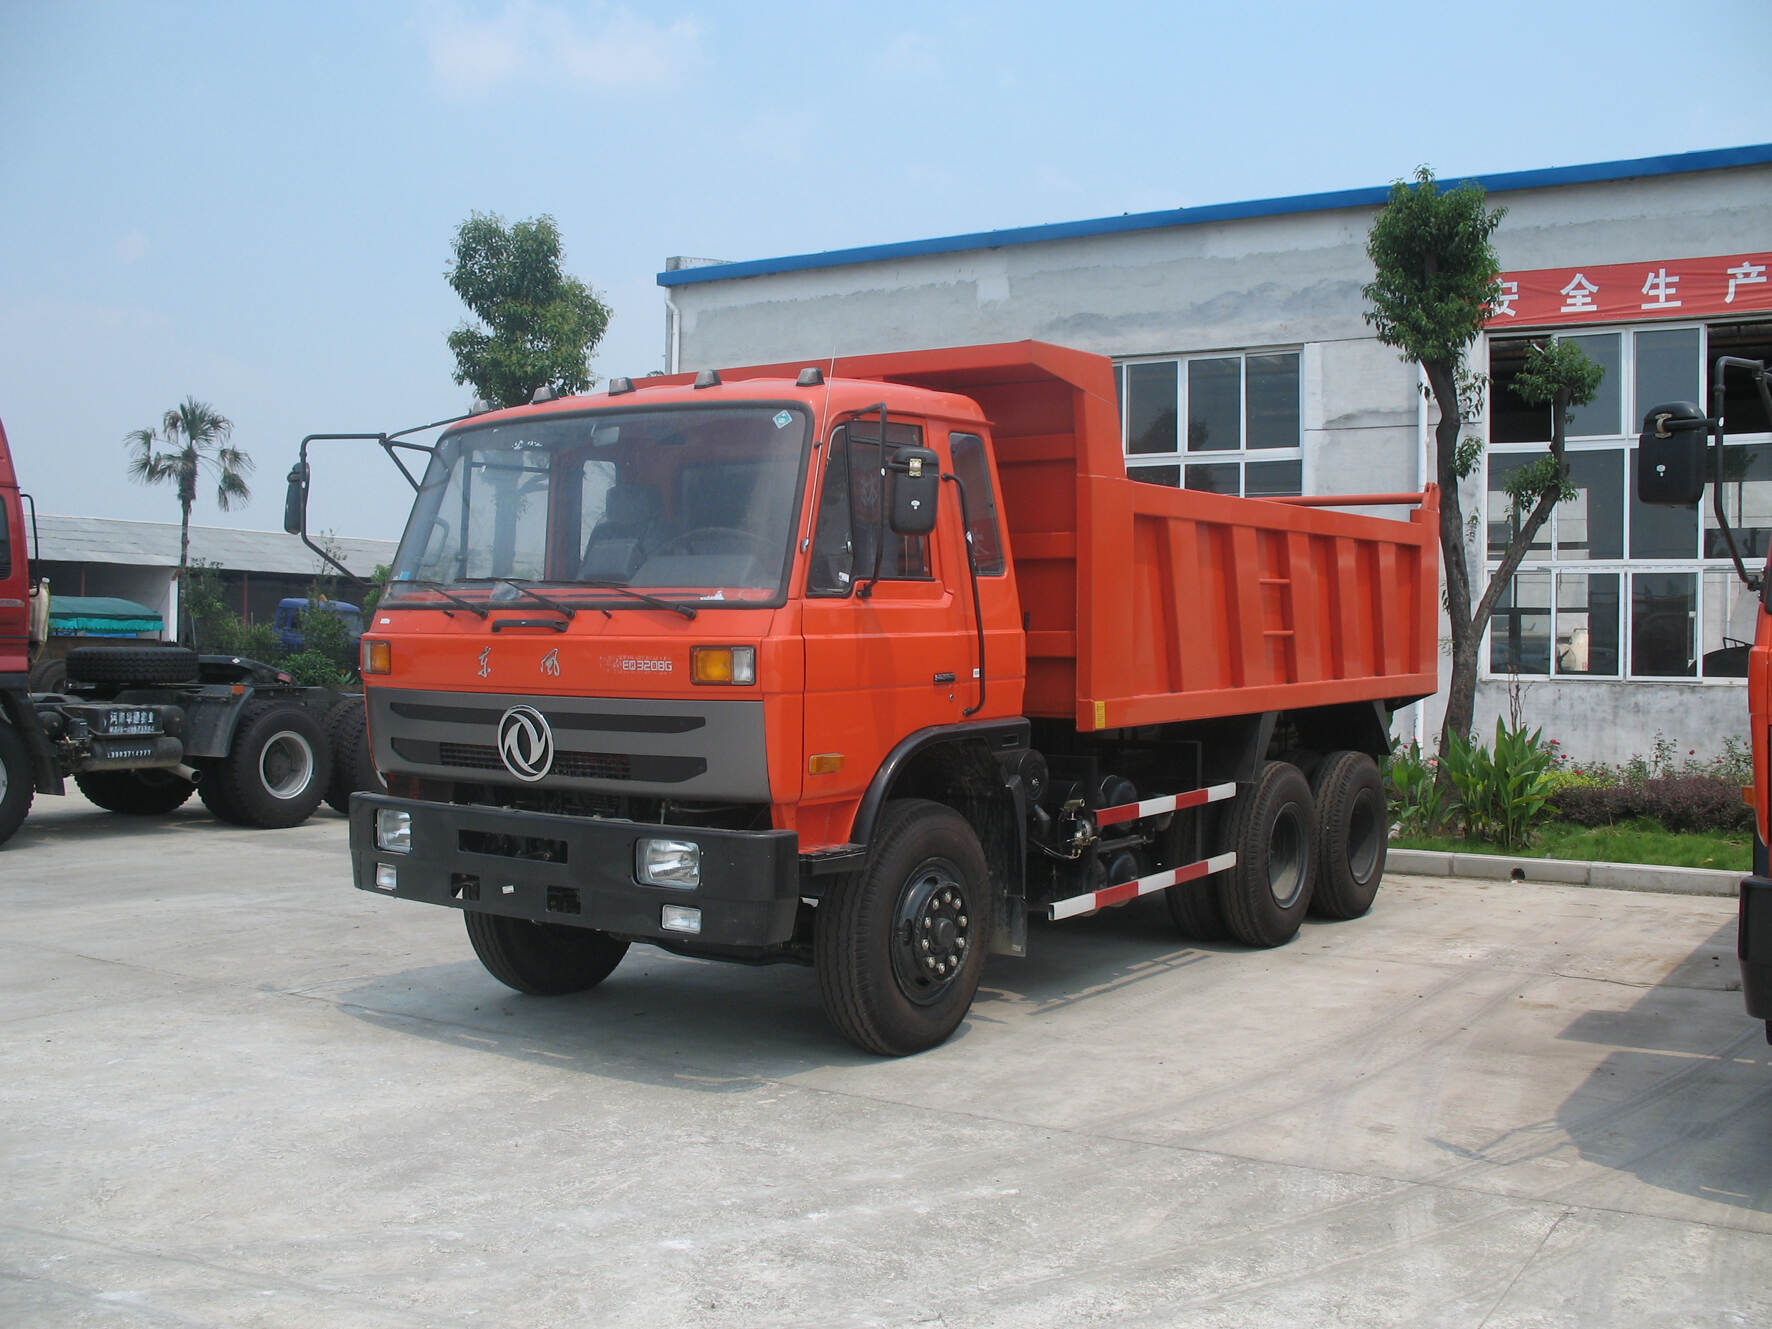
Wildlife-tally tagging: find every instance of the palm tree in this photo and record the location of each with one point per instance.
(196, 437)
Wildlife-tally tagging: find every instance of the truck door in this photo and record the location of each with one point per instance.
(887, 656)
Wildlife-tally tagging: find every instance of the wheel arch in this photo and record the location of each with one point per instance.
(965, 767)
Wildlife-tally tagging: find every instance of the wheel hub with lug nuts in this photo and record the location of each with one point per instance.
(931, 933)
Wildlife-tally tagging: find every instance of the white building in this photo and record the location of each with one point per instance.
(1246, 321)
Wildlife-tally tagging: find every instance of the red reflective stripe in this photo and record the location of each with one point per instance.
(1128, 890)
(1152, 807)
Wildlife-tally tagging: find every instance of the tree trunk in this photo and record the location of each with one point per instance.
(1461, 699)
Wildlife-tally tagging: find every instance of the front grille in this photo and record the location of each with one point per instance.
(567, 765)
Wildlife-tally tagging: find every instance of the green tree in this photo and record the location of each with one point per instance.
(195, 438)
(540, 326)
(1437, 277)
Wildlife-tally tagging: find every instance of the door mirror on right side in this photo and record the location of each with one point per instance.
(1670, 455)
(916, 485)
(295, 502)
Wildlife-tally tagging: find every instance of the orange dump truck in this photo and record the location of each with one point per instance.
(858, 664)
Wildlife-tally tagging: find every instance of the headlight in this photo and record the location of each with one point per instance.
(393, 830)
(668, 863)
(723, 664)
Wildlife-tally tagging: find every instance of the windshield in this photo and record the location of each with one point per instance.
(687, 498)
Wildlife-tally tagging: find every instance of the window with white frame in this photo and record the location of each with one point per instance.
(1610, 587)
(1243, 413)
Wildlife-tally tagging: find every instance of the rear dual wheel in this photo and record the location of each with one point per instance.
(276, 771)
(1273, 832)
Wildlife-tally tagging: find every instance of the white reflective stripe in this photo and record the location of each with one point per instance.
(1153, 807)
(1130, 890)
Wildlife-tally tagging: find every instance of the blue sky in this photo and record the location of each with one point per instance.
(253, 203)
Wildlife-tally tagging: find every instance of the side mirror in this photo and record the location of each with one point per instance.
(295, 504)
(1670, 455)
(916, 484)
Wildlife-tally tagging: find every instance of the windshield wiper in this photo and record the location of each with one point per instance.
(437, 586)
(521, 589)
(688, 611)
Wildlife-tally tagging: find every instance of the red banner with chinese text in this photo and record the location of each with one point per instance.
(1632, 292)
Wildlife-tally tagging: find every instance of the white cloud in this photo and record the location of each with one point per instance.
(599, 47)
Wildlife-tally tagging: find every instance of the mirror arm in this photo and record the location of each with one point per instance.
(977, 604)
(864, 592)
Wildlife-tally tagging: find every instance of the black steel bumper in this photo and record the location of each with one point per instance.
(1753, 944)
(580, 872)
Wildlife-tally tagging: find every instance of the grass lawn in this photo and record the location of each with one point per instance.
(1632, 842)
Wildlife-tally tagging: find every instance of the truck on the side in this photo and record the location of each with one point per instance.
(140, 726)
(1679, 451)
(861, 663)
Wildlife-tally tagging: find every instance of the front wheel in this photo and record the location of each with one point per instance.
(18, 784)
(276, 771)
(899, 946)
(542, 959)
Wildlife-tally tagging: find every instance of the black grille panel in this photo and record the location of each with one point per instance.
(567, 765)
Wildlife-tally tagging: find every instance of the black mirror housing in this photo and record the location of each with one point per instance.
(1671, 455)
(916, 484)
(295, 504)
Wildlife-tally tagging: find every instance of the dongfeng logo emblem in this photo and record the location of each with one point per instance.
(525, 743)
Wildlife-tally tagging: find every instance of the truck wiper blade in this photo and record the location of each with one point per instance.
(437, 586)
(688, 611)
(553, 604)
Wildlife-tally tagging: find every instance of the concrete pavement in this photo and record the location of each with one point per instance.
(233, 1091)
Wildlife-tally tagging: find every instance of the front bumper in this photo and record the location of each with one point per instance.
(580, 871)
(1753, 944)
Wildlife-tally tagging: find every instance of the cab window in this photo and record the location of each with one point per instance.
(849, 514)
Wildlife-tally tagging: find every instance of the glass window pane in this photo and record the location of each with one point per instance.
(1746, 491)
(1661, 612)
(1502, 525)
(1511, 418)
(1660, 532)
(1667, 369)
(1743, 412)
(1519, 630)
(1273, 400)
(1602, 415)
(1120, 393)
(1261, 478)
(1730, 612)
(1591, 525)
(1150, 416)
(1217, 479)
(1587, 624)
(1214, 404)
(1157, 475)
(981, 503)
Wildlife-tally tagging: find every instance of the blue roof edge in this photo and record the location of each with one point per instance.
(1681, 163)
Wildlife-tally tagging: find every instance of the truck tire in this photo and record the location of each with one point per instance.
(18, 784)
(276, 770)
(1273, 834)
(1351, 835)
(542, 959)
(125, 664)
(150, 793)
(353, 766)
(49, 675)
(899, 947)
(1193, 906)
